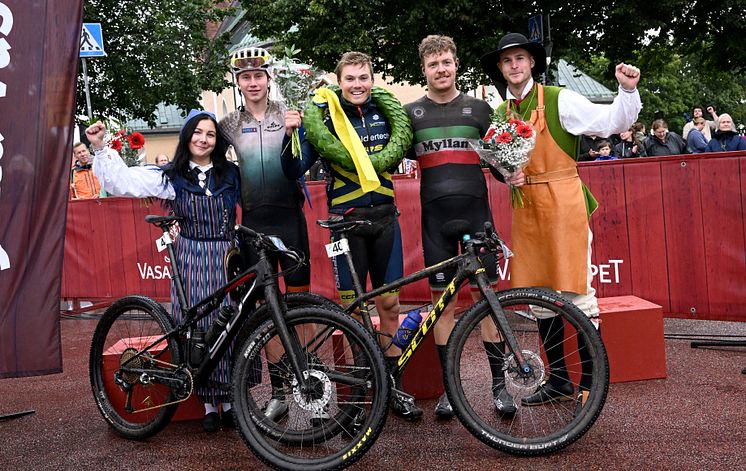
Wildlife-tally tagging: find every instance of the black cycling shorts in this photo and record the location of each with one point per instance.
(444, 221)
(289, 224)
(376, 251)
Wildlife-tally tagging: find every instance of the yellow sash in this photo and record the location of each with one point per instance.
(350, 139)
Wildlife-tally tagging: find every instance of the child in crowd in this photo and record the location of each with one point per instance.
(604, 151)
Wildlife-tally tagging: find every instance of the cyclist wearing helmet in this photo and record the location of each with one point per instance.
(271, 203)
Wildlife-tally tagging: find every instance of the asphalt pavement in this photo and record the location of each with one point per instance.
(692, 420)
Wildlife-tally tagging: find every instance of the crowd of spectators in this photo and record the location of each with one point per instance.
(698, 135)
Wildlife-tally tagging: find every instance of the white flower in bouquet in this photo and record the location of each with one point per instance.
(295, 82)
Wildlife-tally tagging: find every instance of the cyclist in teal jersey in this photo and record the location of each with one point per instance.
(271, 203)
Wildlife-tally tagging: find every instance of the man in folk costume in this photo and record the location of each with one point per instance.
(550, 233)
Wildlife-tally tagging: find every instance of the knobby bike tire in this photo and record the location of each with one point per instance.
(122, 331)
(342, 351)
(532, 429)
(292, 300)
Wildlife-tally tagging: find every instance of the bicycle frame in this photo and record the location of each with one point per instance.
(263, 276)
(468, 265)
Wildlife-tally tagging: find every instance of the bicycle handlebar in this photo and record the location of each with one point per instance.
(246, 231)
(266, 242)
(489, 239)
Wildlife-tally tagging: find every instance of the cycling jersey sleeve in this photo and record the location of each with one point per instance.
(296, 166)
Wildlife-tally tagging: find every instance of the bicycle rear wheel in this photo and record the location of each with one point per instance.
(133, 406)
(535, 429)
(334, 423)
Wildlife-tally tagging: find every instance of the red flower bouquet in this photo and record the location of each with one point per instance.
(507, 146)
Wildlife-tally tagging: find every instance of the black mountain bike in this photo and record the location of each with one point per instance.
(514, 314)
(142, 365)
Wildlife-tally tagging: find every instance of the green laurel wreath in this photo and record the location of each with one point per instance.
(331, 148)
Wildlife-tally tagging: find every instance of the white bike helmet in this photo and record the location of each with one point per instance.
(251, 58)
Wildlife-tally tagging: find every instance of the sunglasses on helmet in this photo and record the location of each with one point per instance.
(257, 62)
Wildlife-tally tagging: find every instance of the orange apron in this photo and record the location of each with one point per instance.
(550, 232)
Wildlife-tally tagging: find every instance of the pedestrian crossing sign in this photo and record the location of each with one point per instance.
(91, 41)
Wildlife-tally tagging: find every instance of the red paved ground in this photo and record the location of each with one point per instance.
(693, 420)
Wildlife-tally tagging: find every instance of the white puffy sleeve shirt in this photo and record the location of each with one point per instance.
(138, 182)
(578, 115)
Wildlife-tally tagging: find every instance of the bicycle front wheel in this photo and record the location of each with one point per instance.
(133, 406)
(333, 422)
(518, 422)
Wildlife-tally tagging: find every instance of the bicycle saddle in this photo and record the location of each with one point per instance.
(340, 225)
(162, 221)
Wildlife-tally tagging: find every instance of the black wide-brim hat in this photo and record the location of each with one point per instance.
(489, 61)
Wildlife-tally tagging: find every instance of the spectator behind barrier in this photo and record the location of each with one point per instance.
(709, 125)
(664, 142)
(83, 183)
(725, 138)
(161, 160)
(696, 141)
(630, 145)
(605, 152)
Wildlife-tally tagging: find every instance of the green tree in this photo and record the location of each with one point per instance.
(391, 29)
(157, 51)
(689, 50)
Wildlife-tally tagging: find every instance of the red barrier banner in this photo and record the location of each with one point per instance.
(39, 44)
(670, 230)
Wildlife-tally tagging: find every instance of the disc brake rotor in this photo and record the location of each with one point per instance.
(519, 383)
(320, 391)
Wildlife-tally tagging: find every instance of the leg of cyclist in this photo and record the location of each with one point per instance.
(289, 225)
(444, 222)
(385, 263)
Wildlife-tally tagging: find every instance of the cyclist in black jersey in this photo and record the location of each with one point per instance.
(453, 192)
(271, 202)
(376, 249)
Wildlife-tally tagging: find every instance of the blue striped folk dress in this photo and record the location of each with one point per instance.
(204, 237)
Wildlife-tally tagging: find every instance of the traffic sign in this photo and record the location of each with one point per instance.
(536, 29)
(91, 41)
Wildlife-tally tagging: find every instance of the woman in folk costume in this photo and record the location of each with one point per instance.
(203, 188)
(550, 233)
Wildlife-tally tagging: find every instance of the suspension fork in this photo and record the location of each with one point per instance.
(290, 343)
(498, 317)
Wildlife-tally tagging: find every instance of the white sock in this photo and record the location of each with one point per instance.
(210, 408)
(226, 406)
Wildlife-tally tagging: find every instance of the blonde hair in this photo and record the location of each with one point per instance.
(353, 58)
(434, 44)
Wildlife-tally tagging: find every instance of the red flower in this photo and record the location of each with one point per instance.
(490, 132)
(116, 144)
(136, 140)
(516, 122)
(504, 137)
(524, 131)
(120, 133)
